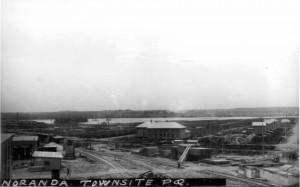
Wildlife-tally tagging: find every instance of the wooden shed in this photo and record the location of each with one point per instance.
(47, 160)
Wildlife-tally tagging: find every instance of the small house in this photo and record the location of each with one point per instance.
(47, 160)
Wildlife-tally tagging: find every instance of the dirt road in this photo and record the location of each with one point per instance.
(293, 141)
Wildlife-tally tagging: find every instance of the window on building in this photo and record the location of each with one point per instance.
(46, 163)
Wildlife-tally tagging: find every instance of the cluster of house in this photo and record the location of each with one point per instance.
(45, 152)
(262, 128)
(176, 131)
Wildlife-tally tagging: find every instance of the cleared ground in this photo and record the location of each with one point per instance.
(112, 164)
(292, 142)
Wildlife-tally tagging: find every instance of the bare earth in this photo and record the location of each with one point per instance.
(292, 143)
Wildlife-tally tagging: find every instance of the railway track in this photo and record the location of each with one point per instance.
(154, 162)
(234, 178)
(108, 163)
(151, 161)
(146, 163)
(102, 156)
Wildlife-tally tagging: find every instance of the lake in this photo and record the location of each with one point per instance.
(141, 120)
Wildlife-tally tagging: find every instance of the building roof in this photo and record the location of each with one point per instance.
(5, 136)
(57, 146)
(25, 138)
(259, 124)
(46, 154)
(144, 125)
(268, 121)
(58, 137)
(200, 148)
(271, 169)
(291, 171)
(285, 121)
(52, 144)
(286, 167)
(161, 125)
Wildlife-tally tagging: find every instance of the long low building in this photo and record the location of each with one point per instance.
(265, 126)
(259, 127)
(162, 130)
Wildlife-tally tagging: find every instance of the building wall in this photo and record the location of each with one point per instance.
(279, 179)
(141, 132)
(259, 129)
(44, 138)
(265, 129)
(251, 172)
(166, 133)
(6, 159)
(47, 163)
(171, 134)
(69, 149)
(24, 149)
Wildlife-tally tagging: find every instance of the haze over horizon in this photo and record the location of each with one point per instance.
(179, 111)
(76, 55)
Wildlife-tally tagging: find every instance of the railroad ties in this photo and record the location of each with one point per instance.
(141, 162)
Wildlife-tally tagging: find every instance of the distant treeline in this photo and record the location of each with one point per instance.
(244, 112)
(238, 112)
(70, 120)
(90, 114)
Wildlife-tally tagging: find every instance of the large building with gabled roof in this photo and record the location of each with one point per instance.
(162, 130)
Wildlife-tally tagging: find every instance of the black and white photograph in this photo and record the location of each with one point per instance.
(150, 93)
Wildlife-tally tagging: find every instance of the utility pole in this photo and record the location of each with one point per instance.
(285, 130)
(222, 139)
(262, 137)
(210, 135)
(17, 118)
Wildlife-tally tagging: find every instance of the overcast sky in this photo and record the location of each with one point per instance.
(144, 55)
